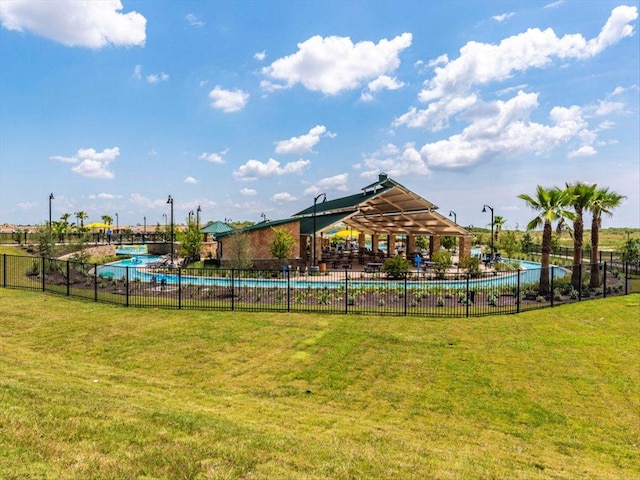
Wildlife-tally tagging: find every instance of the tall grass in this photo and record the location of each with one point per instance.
(97, 391)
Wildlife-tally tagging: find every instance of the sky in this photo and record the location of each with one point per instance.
(247, 108)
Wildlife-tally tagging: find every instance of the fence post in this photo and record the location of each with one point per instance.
(604, 281)
(553, 272)
(288, 289)
(405, 293)
(43, 284)
(233, 295)
(126, 284)
(346, 291)
(95, 282)
(518, 293)
(68, 280)
(626, 278)
(467, 296)
(579, 286)
(4, 270)
(179, 288)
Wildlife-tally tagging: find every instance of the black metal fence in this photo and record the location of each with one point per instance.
(421, 294)
(24, 237)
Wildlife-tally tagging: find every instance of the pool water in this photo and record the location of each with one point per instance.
(135, 268)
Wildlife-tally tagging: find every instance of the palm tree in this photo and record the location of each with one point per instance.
(107, 219)
(81, 216)
(603, 202)
(581, 195)
(550, 203)
(498, 223)
(64, 219)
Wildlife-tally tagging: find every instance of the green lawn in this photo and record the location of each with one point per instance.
(97, 391)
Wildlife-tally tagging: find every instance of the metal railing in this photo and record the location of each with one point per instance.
(420, 294)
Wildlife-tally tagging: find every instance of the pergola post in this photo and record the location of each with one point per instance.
(391, 245)
(465, 246)
(374, 243)
(411, 245)
(434, 244)
(361, 241)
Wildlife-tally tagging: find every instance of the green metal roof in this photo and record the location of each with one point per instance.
(322, 222)
(261, 225)
(216, 228)
(348, 203)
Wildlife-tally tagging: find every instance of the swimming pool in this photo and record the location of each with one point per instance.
(135, 269)
(131, 250)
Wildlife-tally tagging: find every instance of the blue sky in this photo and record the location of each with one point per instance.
(255, 107)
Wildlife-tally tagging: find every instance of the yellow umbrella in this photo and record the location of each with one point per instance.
(344, 234)
(97, 225)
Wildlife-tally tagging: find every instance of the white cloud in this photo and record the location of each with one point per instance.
(503, 17)
(396, 162)
(333, 64)
(157, 77)
(260, 56)
(480, 63)
(255, 169)
(214, 157)
(441, 60)
(228, 100)
(283, 197)
(336, 182)
(554, 4)
(194, 21)
(89, 163)
(26, 205)
(605, 107)
(248, 192)
(383, 82)
(436, 115)
(76, 24)
(137, 72)
(503, 128)
(617, 91)
(583, 151)
(105, 196)
(190, 180)
(303, 143)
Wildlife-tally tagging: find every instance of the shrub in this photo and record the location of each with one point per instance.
(442, 261)
(396, 267)
(471, 264)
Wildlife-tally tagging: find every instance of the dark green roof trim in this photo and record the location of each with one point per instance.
(345, 204)
(322, 222)
(260, 226)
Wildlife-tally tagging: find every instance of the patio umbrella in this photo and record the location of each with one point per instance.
(97, 225)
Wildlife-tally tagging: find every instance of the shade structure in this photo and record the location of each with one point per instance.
(97, 225)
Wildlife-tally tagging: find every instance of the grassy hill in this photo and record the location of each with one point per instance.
(97, 391)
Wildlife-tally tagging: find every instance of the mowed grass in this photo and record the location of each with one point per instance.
(98, 391)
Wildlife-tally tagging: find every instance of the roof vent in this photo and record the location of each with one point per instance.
(382, 177)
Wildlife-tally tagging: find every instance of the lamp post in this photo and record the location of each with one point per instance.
(484, 210)
(455, 217)
(190, 216)
(198, 210)
(51, 197)
(315, 202)
(170, 201)
(264, 217)
(144, 230)
(117, 223)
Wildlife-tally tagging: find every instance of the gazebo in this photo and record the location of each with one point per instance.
(382, 210)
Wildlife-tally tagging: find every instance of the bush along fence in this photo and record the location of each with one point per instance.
(415, 293)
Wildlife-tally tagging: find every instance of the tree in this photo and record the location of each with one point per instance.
(64, 219)
(509, 243)
(239, 250)
(630, 251)
(551, 206)
(448, 243)
(282, 244)
(581, 195)
(442, 262)
(526, 243)
(422, 243)
(603, 202)
(107, 219)
(498, 223)
(81, 216)
(190, 240)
